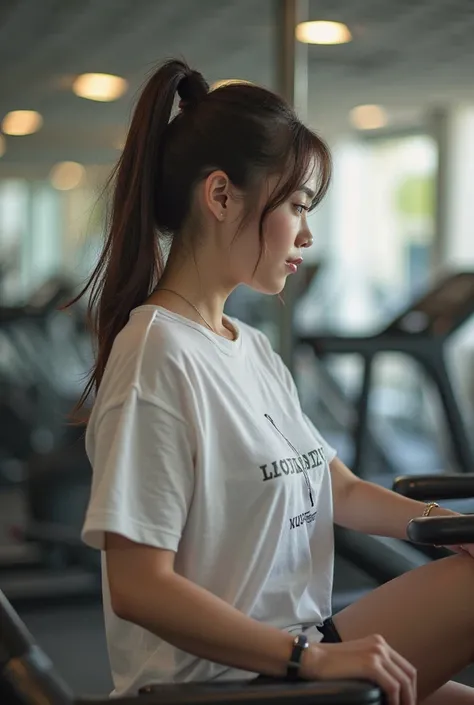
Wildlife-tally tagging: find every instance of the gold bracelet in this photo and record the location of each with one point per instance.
(428, 509)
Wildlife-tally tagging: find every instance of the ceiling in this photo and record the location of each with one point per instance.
(409, 55)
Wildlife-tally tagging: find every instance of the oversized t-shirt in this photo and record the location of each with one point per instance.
(199, 445)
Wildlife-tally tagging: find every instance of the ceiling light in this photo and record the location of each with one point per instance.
(66, 175)
(99, 86)
(3, 145)
(323, 33)
(368, 117)
(22, 122)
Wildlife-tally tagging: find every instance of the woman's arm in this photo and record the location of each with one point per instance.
(371, 509)
(145, 590)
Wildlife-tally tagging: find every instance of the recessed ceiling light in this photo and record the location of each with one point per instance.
(66, 175)
(22, 122)
(3, 145)
(320, 32)
(368, 117)
(99, 86)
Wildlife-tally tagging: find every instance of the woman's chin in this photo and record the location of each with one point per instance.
(271, 284)
(271, 288)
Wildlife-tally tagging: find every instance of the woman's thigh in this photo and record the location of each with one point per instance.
(427, 615)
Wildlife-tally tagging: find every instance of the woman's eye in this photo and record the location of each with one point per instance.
(300, 208)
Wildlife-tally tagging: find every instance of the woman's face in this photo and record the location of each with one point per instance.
(285, 232)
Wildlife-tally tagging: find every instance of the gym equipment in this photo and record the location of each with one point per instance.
(439, 530)
(37, 364)
(435, 487)
(44, 351)
(59, 565)
(420, 332)
(385, 559)
(27, 677)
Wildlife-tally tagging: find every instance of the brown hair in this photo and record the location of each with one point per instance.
(245, 130)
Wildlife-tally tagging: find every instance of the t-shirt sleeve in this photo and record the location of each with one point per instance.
(142, 456)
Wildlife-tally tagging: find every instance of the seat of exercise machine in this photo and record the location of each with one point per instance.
(433, 487)
(27, 673)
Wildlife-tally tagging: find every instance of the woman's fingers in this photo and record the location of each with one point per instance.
(405, 674)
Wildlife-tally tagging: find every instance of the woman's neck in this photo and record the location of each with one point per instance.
(173, 302)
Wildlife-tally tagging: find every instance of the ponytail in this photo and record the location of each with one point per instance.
(132, 260)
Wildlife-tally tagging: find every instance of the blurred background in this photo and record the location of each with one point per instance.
(376, 327)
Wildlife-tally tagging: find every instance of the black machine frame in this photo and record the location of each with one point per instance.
(420, 332)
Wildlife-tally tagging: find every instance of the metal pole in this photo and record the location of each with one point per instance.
(441, 133)
(292, 84)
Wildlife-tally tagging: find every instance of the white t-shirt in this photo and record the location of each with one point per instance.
(199, 445)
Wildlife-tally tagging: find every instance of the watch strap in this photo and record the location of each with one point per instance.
(300, 643)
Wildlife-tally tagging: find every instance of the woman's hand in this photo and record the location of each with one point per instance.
(462, 549)
(370, 658)
(465, 549)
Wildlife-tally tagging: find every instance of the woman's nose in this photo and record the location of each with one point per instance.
(306, 238)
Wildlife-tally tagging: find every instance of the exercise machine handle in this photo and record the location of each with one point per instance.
(433, 487)
(442, 531)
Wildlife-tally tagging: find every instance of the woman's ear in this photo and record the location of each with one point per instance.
(217, 194)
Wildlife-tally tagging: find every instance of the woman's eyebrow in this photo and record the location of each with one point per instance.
(304, 189)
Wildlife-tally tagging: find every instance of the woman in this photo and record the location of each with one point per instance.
(213, 496)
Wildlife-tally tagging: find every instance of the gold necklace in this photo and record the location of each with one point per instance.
(191, 304)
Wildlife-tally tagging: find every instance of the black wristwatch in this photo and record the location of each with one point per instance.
(300, 643)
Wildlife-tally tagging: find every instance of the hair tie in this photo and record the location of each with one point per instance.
(191, 89)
